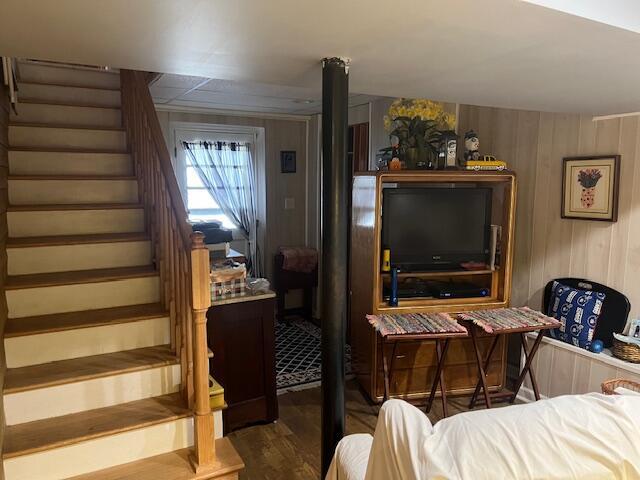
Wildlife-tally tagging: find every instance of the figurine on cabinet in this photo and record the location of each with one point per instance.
(448, 149)
(471, 146)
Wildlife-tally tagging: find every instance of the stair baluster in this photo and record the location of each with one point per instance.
(180, 256)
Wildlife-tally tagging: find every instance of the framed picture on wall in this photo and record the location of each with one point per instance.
(590, 187)
(288, 161)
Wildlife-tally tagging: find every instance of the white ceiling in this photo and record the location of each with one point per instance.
(201, 92)
(506, 53)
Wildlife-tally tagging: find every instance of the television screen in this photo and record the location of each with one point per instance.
(436, 228)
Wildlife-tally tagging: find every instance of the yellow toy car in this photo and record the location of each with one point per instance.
(487, 162)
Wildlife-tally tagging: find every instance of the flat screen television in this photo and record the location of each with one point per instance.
(436, 227)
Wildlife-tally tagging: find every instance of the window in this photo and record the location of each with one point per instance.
(201, 205)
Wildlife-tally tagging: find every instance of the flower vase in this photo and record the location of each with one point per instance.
(411, 158)
(588, 197)
(417, 159)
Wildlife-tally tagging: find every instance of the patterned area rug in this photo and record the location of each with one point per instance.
(298, 358)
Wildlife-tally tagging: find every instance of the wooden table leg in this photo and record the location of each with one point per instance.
(387, 368)
(527, 367)
(474, 397)
(385, 372)
(443, 385)
(441, 354)
(481, 370)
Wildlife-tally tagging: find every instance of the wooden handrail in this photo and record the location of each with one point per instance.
(180, 256)
(138, 81)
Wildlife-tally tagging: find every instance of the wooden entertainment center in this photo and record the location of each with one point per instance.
(415, 362)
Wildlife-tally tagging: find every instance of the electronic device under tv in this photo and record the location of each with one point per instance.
(436, 227)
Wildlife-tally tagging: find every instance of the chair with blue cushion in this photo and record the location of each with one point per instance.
(615, 307)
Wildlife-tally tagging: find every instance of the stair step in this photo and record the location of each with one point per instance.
(79, 219)
(55, 337)
(32, 437)
(38, 280)
(47, 136)
(66, 84)
(64, 93)
(76, 385)
(65, 103)
(39, 162)
(174, 466)
(78, 126)
(65, 113)
(72, 206)
(27, 148)
(56, 189)
(44, 294)
(58, 322)
(59, 257)
(66, 75)
(64, 336)
(86, 368)
(106, 451)
(57, 240)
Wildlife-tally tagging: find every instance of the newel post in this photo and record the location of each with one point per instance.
(201, 301)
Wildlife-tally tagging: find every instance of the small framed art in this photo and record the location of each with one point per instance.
(287, 161)
(590, 187)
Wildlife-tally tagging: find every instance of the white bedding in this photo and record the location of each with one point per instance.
(585, 437)
(351, 457)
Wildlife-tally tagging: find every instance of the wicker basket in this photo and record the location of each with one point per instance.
(609, 387)
(628, 352)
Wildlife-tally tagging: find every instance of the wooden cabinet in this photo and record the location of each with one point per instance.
(415, 363)
(241, 334)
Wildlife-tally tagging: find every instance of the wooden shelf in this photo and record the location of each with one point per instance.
(441, 304)
(450, 273)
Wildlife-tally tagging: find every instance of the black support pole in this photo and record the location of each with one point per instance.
(335, 202)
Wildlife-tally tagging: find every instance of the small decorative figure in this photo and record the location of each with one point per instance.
(471, 146)
(448, 149)
(395, 163)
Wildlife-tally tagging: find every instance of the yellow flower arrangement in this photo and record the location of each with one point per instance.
(422, 108)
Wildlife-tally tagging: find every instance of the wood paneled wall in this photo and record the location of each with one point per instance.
(547, 246)
(284, 227)
(4, 170)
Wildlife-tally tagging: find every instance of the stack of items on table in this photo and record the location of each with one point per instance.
(228, 280)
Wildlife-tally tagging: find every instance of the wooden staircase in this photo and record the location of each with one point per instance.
(105, 370)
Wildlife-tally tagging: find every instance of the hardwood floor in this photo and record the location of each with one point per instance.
(290, 448)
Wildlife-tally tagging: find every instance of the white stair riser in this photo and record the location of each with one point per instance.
(69, 115)
(91, 96)
(24, 136)
(66, 163)
(61, 258)
(101, 453)
(83, 342)
(32, 72)
(48, 402)
(75, 222)
(218, 426)
(28, 302)
(46, 192)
